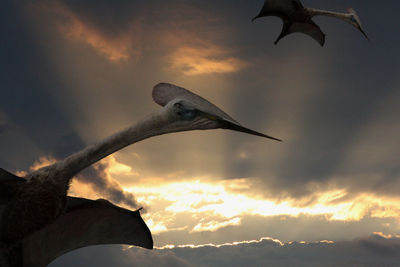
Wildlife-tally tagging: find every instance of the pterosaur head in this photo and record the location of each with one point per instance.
(354, 20)
(192, 112)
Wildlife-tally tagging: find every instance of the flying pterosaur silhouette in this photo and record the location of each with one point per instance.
(38, 208)
(297, 18)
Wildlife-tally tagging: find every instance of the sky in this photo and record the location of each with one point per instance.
(75, 72)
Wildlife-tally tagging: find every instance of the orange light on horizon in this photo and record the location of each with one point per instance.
(209, 205)
(217, 206)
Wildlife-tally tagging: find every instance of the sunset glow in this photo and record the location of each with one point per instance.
(210, 200)
(204, 60)
(77, 72)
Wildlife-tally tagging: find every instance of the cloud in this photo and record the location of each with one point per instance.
(42, 162)
(207, 208)
(375, 250)
(100, 179)
(97, 181)
(194, 53)
(204, 60)
(75, 27)
(120, 40)
(373, 157)
(215, 225)
(104, 256)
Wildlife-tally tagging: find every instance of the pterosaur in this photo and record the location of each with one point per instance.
(83, 223)
(35, 209)
(297, 18)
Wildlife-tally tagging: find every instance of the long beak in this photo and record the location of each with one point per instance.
(362, 31)
(235, 127)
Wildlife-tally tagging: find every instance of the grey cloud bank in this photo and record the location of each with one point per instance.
(374, 250)
(106, 186)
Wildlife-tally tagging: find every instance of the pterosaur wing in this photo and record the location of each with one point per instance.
(279, 8)
(309, 28)
(297, 4)
(8, 185)
(85, 223)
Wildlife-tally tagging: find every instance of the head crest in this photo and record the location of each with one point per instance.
(166, 92)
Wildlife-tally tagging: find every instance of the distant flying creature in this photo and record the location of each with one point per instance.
(297, 18)
(37, 206)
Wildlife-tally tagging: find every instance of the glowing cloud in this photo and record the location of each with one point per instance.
(215, 225)
(193, 60)
(277, 241)
(115, 168)
(217, 204)
(115, 48)
(42, 162)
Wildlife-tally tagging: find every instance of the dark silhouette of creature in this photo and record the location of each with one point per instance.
(83, 223)
(297, 18)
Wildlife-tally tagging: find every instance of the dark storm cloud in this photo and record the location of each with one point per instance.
(114, 256)
(95, 176)
(375, 250)
(112, 19)
(28, 99)
(28, 86)
(98, 178)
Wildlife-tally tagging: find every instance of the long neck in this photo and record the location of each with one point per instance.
(62, 172)
(319, 12)
(144, 129)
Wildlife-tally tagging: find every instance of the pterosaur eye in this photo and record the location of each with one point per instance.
(189, 114)
(185, 111)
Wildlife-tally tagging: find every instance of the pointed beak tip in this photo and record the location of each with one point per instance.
(276, 139)
(239, 128)
(267, 136)
(363, 32)
(365, 35)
